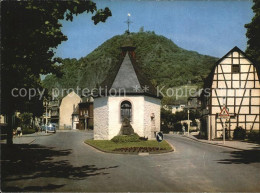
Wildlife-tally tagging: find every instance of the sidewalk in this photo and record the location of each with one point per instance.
(27, 139)
(238, 145)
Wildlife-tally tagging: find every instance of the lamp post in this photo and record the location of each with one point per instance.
(188, 121)
(205, 103)
(46, 102)
(86, 116)
(192, 105)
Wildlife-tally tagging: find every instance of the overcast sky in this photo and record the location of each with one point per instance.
(208, 27)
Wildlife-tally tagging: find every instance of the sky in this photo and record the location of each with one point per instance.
(208, 27)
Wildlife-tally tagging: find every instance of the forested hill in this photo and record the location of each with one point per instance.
(162, 61)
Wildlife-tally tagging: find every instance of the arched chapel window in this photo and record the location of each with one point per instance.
(126, 110)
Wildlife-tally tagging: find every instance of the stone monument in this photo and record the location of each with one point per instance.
(126, 128)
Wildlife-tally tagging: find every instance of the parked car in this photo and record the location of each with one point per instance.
(52, 128)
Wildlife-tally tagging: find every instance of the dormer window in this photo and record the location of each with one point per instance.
(235, 68)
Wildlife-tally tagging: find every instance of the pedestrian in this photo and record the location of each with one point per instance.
(19, 131)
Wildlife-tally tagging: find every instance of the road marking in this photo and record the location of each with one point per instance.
(143, 154)
(204, 159)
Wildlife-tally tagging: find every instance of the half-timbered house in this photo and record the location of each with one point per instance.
(233, 82)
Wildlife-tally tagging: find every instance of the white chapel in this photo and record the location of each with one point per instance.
(129, 94)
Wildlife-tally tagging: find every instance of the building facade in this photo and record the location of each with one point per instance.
(75, 118)
(54, 111)
(233, 82)
(86, 114)
(67, 107)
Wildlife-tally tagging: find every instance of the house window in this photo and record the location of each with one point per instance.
(235, 68)
(126, 110)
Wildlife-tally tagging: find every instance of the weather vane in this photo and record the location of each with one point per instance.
(128, 21)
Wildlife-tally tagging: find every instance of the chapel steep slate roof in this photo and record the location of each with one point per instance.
(127, 77)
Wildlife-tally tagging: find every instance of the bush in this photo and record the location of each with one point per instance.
(177, 127)
(165, 129)
(239, 133)
(126, 138)
(28, 131)
(254, 136)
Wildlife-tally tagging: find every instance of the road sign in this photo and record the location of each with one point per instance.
(159, 136)
(224, 114)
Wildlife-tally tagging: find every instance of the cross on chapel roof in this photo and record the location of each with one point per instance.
(127, 74)
(128, 21)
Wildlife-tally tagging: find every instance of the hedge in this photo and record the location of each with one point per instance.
(28, 131)
(239, 133)
(254, 136)
(126, 138)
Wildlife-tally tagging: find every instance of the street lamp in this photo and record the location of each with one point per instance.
(188, 121)
(192, 105)
(46, 103)
(86, 116)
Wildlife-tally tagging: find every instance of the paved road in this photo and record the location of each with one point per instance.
(62, 162)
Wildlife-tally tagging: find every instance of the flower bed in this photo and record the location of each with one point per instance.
(139, 149)
(150, 146)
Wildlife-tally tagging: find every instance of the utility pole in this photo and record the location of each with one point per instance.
(86, 116)
(46, 110)
(188, 121)
(224, 131)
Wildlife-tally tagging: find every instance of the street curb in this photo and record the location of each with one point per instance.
(27, 143)
(32, 142)
(28, 135)
(220, 145)
(173, 148)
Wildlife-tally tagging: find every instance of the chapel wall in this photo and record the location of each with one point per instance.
(152, 107)
(101, 118)
(137, 114)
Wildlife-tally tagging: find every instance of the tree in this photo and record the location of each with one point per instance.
(174, 68)
(25, 119)
(253, 34)
(141, 30)
(30, 32)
